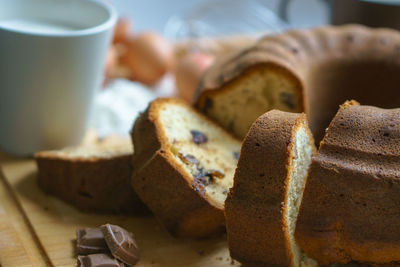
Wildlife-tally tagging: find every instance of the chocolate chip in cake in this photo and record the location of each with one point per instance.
(215, 174)
(207, 177)
(188, 159)
(204, 179)
(198, 137)
(236, 155)
(287, 99)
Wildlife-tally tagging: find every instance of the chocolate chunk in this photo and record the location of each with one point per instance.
(121, 243)
(98, 260)
(236, 155)
(215, 174)
(188, 159)
(288, 99)
(204, 179)
(90, 240)
(198, 137)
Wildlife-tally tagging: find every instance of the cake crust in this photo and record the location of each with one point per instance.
(258, 233)
(351, 202)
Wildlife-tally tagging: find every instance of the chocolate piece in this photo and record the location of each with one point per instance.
(121, 243)
(90, 240)
(198, 137)
(216, 174)
(203, 179)
(98, 260)
(189, 159)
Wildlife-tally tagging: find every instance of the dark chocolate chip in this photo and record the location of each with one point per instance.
(198, 187)
(188, 159)
(90, 241)
(204, 179)
(288, 99)
(198, 137)
(121, 243)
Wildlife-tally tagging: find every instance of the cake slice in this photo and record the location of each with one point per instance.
(94, 176)
(184, 166)
(261, 208)
(351, 205)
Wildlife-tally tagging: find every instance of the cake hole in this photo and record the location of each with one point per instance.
(341, 195)
(262, 174)
(386, 134)
(257, 144)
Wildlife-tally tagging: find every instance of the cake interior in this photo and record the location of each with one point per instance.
(205, 151)
(241, 102)
(300, 161)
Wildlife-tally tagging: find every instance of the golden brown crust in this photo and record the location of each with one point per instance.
(165, 188)
(97, 185)
(255, 207)
(351, 204)
(329, 64)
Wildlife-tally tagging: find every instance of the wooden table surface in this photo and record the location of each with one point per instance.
(37, 229)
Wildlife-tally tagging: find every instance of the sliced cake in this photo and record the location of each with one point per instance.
(184, 166)
(93, 177)
(261, 208)
(311, 70)
(351, 205)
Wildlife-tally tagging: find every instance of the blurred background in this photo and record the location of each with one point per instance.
(154, 14)
(164, 47)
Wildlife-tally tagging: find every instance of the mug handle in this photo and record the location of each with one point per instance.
(283, 9)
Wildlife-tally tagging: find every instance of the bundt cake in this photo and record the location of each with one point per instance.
(304, 70)
(184, 166)
(93, 177)
(351, 204)
(261, 208)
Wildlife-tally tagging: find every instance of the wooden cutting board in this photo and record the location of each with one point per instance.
(39, 230)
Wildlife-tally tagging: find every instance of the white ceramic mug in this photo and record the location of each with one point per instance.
(52, 54)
